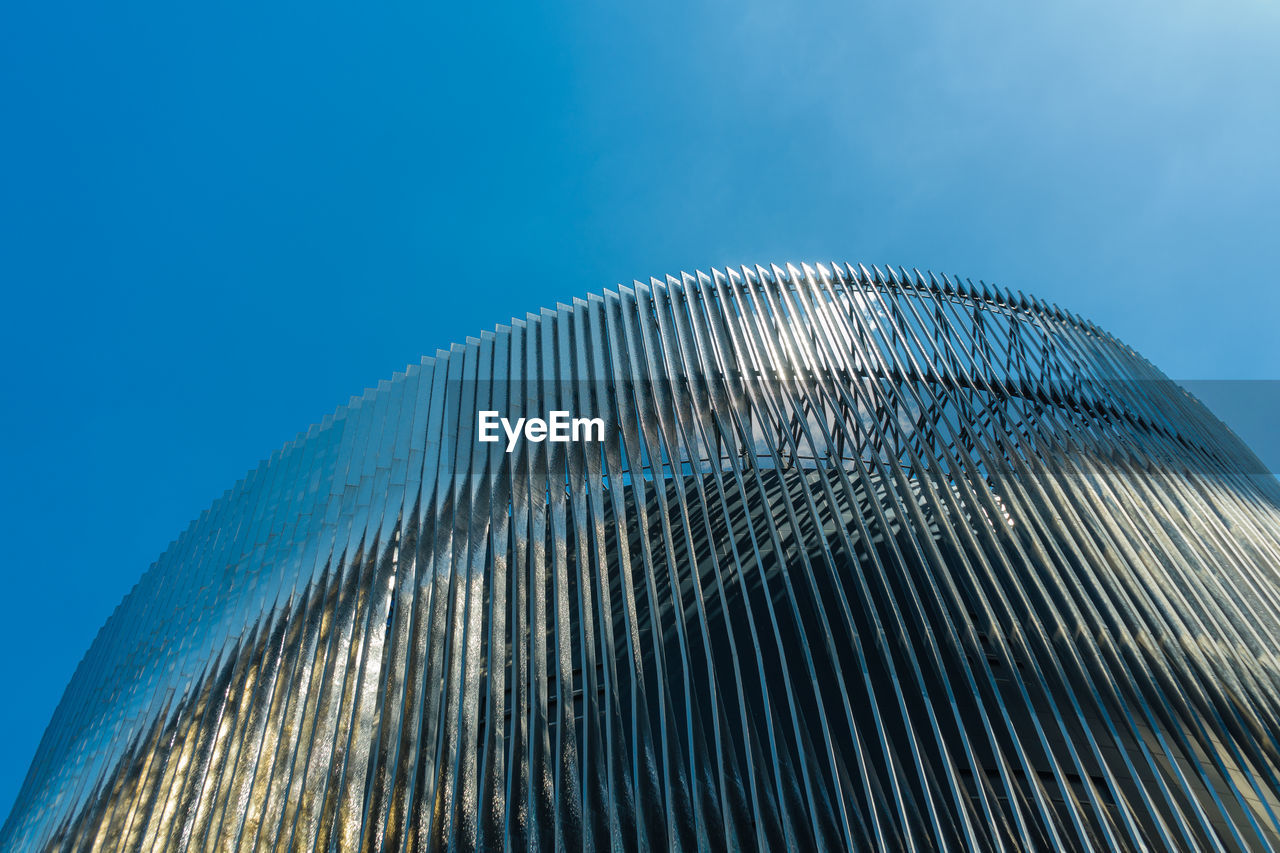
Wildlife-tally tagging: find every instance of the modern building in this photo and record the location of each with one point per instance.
(864, 560)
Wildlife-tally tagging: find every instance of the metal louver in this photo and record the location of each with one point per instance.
(866, 560)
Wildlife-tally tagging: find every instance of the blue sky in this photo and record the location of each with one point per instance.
(219, 221)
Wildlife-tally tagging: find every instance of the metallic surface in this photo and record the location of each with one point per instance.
(867, 560)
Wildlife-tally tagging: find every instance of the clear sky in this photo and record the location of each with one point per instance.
(218, 221)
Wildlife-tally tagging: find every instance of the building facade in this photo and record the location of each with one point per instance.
(865, 560)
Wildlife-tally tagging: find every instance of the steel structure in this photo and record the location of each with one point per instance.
(867, 560)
